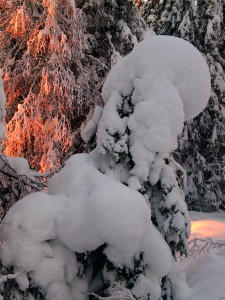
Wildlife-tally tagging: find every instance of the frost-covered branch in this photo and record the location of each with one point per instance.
(17, 181)
(199, 246)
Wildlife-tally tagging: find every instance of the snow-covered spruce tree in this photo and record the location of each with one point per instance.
(133, 159)
(48, 88)
(206, 133)
(201, 148)
(207, 188)
(148, 173)
(93, 227)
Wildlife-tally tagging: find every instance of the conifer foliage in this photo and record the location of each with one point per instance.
(201, 146)
(113, 28)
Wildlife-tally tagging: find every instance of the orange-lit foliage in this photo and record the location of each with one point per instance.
(45, 80)
(2, 4)
(139, 4)
(19, 23)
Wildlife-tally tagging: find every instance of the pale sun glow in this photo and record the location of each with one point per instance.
(207, 229)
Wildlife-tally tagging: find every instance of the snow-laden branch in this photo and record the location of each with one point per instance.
(17, 181)
(4, 278)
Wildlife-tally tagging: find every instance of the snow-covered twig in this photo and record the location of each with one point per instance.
(116, 292)
(98, 61)
(199, 246)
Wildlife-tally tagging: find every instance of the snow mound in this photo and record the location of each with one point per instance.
(83, 210)
(202, 279)
(161, 60)
(104, 209)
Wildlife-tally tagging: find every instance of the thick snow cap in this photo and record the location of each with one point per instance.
(164, 59)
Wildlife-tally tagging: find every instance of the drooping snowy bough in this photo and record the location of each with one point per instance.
(93, 227)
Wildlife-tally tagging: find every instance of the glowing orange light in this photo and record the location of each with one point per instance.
(207, 229)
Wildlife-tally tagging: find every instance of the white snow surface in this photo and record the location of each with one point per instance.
(82, 210)
(202, 278)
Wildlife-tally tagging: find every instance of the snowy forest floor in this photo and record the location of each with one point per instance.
(204, 269)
